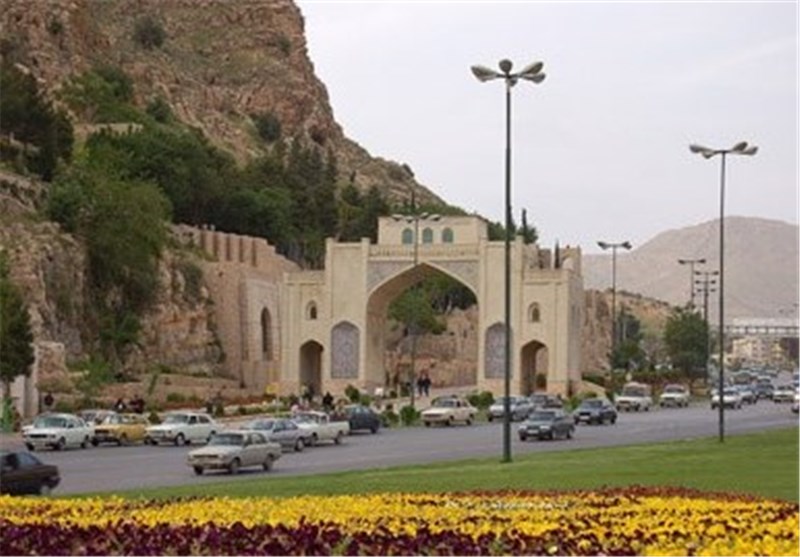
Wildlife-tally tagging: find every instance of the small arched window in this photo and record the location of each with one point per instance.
(311, 311)
(447, 236)
(408, 236)
(534, 314)
(427, 236)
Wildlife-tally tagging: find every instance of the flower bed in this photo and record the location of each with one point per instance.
(619, 521)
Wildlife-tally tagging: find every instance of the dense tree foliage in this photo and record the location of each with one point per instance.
(30, 119)
(16, 338)
(686, 338)
(628, 353)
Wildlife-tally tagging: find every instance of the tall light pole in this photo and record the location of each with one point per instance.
(613, 247)
(741, 148)
(415, 218)
(706, 283)
(691, 263)
(533, 73)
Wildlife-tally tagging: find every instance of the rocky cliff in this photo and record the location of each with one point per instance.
(220, 63)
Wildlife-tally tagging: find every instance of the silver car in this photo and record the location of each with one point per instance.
(232, 450)
(519, 408)
(282, 431)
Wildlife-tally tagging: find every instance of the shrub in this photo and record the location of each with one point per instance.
(64, 406)
(149, 33)
(389, 418)
(352, 393)
(159, 110)
(154, 418)
(268, 126)
(176, 397)
(409, 415)
(482, 400)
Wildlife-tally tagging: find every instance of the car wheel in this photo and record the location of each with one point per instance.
(198, 470)
(61, 444)
(123, 440)
(180, 440)
(449, 421)
(85, 443)
(469, 420)
(427, 424)
(613, 420)
(314, 440)
(233, 467)
(45, 489)
(523, 437)
(338, 439)
(95, 442)
(268, 463)
(299, 445)
(374, 429)
(30, 447)
(569, 433)
(490, 418)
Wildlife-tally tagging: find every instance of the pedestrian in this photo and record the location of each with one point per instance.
(426, 384)
(421, 384)
(137, 404)
(327, 401)
(48, 401)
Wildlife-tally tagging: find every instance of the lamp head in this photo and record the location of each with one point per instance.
(603, 245)
(484, 74)
(626, 245)
(505, 66)
(705, 151)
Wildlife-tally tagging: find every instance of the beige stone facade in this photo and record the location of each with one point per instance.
(334, 321)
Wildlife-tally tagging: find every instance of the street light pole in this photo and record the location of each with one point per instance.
(415, 218)
(691, 263)
(706, 289)
(741, 148)
(613, 246)
(533, 73)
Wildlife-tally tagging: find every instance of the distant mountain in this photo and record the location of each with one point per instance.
(761, 266)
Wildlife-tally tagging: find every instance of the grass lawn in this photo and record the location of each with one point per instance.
(763, 464)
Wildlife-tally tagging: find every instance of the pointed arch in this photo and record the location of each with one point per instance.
(534, 313)
(345, 341)
(311, 311)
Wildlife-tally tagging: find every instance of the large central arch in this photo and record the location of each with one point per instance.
(378, 301)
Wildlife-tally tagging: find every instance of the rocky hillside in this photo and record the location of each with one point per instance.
(761, 266)
(220, 63)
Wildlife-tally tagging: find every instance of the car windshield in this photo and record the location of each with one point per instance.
(444, 403)
(631, 390)
(542, 416)
(674, 389)
(113, 419)
(227, 440)
(261, 424)
(592, 403)
(50, 421)
(305, 418)
(176, 419)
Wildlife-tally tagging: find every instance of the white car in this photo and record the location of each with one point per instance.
(448, 410)
(634, 396)
(232, 450)
(731, 398)
(519, 408)
(783, 393)
(182, 428)
(58, 431)
(319, 427)
(674, 395)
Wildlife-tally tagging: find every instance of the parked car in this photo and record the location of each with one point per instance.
(595, 411)
(764, 389)
(21, 473)
(747, 393)
(796, 403)
(543, 400)
(182, 428)
(320, 427)
(282, 431)
(449, 410)
(519, 408)
(674, 395)
(95, 415)
(121, 429)
(783, 393)
(232, 450)
(58, 431)
(362, 417)
(634, 396)
(547, 424)
(730, 398)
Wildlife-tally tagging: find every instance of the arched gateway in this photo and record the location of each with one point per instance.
(332, 331)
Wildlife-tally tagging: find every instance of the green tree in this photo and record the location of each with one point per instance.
(29, 118)
(629, 354)
(16, 338)
(686, 338)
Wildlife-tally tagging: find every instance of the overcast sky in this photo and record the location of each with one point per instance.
(600, 148)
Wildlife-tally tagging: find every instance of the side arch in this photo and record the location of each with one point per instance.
(534, 364)
(311, 366)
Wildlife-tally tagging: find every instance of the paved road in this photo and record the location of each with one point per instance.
(116, 468)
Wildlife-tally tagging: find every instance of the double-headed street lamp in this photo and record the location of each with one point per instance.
(691, 263)
(613, 247)
(415, 218)
(741, 148)
(533, 73)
